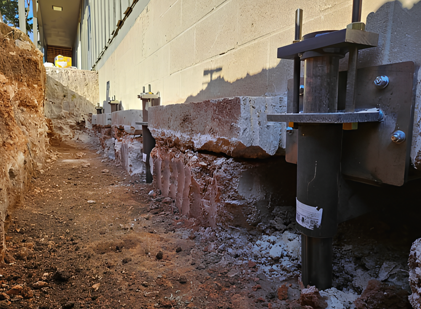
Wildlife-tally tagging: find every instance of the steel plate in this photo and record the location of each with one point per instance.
(361, 116)
(368, 154)
(338, 39)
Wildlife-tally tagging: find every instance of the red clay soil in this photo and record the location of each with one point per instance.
(89, 236)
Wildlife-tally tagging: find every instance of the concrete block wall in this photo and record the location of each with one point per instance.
(176, 44)
(196, 50)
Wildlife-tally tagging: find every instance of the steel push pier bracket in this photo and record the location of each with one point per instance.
(353, 125)
(148, 99)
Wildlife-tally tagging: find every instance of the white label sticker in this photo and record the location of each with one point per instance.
(145, 157)
(308, 216)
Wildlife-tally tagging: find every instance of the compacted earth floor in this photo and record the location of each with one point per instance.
(87, 235)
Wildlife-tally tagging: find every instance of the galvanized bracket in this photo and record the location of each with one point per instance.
(370, 154)
(374, 115)
(342, 39)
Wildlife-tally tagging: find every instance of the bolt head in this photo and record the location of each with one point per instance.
(381, 82)
(301, 89)
(398, 137)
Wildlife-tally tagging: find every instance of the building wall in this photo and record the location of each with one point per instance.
(191, 50)
(194, 50)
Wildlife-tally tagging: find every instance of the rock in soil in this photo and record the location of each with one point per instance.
(39, 285)
(4, 296)
(311, 297)
(283, 292)
(378, 295)
(27, 293)
(16, 290)
(61, 276)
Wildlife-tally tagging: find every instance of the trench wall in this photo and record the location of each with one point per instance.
(23, 128)
(71, 96)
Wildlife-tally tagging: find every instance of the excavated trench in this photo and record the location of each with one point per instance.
(82, 230)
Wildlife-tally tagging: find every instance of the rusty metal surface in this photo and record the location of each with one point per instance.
(361, 116)
(337, 39)
(368, 154)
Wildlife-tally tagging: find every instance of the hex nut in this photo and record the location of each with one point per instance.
(381, 82)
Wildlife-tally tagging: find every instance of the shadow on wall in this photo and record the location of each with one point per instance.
(399, 41)
(251, 85)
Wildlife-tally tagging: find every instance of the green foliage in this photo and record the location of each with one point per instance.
(10, 12)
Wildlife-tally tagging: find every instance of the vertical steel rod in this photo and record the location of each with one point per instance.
(351, 79)
(298, 24)
(356, 10)
(297, 62)
(352, 62)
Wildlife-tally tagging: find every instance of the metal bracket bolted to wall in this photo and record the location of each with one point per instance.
(148, 99)
(342, 127)
(375, 115)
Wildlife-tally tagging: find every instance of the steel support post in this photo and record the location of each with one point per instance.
(318, 170)
(316, 260)
(148, 140)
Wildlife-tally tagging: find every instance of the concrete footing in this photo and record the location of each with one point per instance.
(191, 166)
(219, 190)
(121, 139)
(236, 126)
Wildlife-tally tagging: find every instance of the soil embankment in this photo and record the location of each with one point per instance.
(23, 129)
